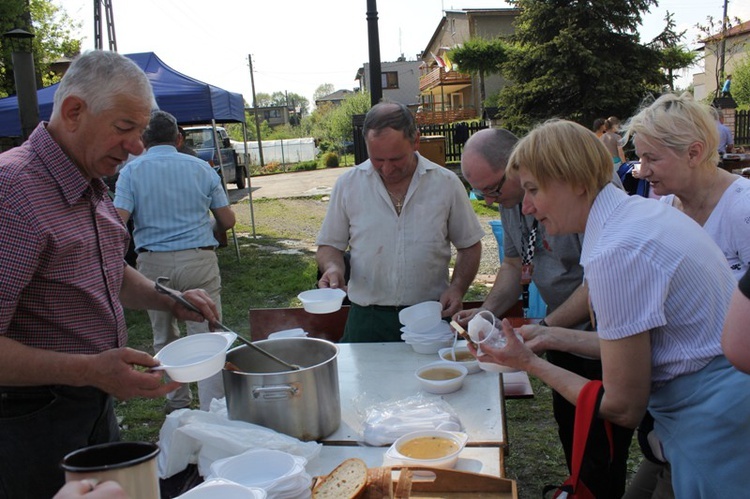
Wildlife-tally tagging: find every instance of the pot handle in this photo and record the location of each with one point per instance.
(276, 392)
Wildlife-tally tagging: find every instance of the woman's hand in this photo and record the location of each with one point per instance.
(514, 354)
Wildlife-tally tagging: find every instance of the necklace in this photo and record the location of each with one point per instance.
(398, 202)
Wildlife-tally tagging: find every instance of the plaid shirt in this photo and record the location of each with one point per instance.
(61, 253)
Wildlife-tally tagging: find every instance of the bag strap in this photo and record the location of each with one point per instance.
(587, 406)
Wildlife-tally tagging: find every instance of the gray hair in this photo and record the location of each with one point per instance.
(390, 115)
(161, 129)
(494, 145)
(677, 122)
(98, 76)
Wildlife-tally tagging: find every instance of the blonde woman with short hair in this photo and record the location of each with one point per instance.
(659, 289)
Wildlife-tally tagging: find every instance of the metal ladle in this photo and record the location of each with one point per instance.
(181, 300)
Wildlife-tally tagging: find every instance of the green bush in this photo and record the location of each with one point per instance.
(305, 166)
(331, 160)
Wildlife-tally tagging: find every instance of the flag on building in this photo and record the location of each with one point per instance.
(440, 62)
(447, 62)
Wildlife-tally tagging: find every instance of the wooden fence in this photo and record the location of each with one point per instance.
(742, 128)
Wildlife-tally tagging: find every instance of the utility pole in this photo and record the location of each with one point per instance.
(723, 42)
(373, 41)
(255, 111)
(98, 39)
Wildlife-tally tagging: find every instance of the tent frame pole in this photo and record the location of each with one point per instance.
(224, 182)
(249, 177)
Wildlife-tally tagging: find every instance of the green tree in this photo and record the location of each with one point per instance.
(578, 61)
(323, 90)
(674, 55)
(717, 43)
(480, 57)
(54, 38)
(741, 83)
(332, 124)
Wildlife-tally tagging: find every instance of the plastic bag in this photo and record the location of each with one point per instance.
(199, 437)
(387, 421)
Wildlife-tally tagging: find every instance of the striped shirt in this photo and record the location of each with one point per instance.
(61, 253)
(169, 195)
(651, 267)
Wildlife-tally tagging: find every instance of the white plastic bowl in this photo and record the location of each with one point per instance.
(264, 468)
(288, 333)
(441, 386)
(471, 365)
(225, 489)
(195, 357)
(322, 301)
(422, 316)
(428, 347)
(446, 462)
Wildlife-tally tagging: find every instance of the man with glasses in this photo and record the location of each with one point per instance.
(550, 262)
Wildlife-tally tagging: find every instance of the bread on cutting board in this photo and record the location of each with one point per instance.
(347, 480)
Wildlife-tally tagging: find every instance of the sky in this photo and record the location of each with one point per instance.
(297, 45)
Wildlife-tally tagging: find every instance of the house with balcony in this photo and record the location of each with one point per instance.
(445, 93)
(735, 47)
(399, 81)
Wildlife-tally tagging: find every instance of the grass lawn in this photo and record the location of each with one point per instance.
(268, 274)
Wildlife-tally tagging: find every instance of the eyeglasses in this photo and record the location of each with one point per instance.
(493, 192)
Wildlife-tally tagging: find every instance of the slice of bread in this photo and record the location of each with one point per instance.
(403, 487)
(346, 481)
(379, 483)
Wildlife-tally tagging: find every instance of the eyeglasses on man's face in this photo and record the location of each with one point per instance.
(492, 192)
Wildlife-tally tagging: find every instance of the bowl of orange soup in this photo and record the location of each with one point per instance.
(432, 448)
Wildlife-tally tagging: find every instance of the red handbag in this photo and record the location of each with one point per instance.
(587, 407)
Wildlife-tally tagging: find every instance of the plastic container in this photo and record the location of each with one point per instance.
(429, 347)
(441, 386)
(497, 231)
(263, 468)
(195, 357)
(323, 300)
(422, 316)
(471, 365)
(446, 461)
(225, 489)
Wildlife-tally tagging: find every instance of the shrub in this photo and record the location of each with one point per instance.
(305, 166)
(331, 160)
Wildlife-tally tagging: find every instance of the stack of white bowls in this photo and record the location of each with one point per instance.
(424, 328)
(280, 474)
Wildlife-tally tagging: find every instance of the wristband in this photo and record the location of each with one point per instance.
(543, 322)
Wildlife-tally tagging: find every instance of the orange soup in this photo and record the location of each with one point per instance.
(428, 447)
(439, 374)
(461, 356)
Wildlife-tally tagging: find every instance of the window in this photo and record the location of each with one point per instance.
(389, 79)
(271, 114)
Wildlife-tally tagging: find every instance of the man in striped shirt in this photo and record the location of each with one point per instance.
(63, 285)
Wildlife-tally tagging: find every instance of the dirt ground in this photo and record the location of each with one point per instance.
(303, 217)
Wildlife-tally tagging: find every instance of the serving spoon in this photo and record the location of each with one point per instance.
(181, 300)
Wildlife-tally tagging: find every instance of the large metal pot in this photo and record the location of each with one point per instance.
(303, 403)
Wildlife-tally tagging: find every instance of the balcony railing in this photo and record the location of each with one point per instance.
(447, 116)
(439, 77)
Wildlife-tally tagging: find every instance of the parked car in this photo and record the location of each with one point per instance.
(203, 141)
